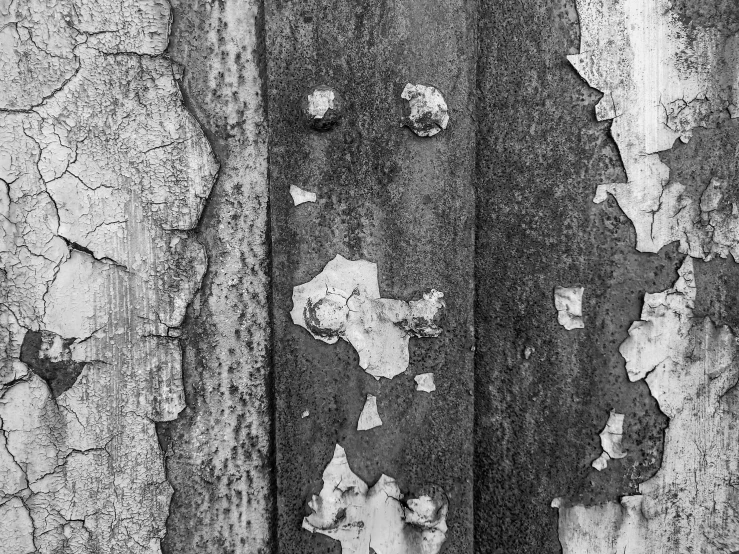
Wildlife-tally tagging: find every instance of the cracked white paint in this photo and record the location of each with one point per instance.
(611, 438)
(425, 382)
(427, 110)
(320, 101)
(690, 505)
(301, 196)
(102, 176)
(568, 303)
(376, 519)
(343, 301)
(661, 78)
(369, 418)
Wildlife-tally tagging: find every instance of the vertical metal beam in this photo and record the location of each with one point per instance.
(387, 196)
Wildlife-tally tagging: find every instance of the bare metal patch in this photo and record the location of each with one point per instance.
(378, 519)
(343, 302)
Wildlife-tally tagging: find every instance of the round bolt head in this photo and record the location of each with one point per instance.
(322, 108)
(425, 111)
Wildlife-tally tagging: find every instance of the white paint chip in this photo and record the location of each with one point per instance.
(568, 302)
(375, 519)
(428, 112)
(425, 382)
(343, 302)
(305, 414)
(369, 418)
(320, 101)
(610, 441)
(301, 196)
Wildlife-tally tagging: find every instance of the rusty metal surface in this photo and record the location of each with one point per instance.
(387, 196)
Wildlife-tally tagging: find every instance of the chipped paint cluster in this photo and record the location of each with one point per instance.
(690, 505)
(378, 519)
(102, 176)
(660, 78)
(343, 302)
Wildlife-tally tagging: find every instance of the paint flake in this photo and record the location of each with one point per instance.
(425, 382)
(343, 302)
(380, 519)
(568, 302)
(661, 77)
(301, 196)
(692, 368)
(427, 112)
(369, 418)
(610, 441)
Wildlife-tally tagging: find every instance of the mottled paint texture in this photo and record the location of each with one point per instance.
(103, 175)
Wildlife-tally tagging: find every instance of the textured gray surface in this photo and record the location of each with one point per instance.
(495, 211)
(390, 197)
(218, 451)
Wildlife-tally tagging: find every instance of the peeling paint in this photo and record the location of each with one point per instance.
(322, 108)
(369, 418)
(301, 196)
(343, 301)
(661, 77)
(568, 303)
(378, 519)
(102, 176)
(690, 505)
(610, 441)
(426, 112)
(425, 382)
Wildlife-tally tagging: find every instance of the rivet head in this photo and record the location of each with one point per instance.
(322, 108)
(425, 110)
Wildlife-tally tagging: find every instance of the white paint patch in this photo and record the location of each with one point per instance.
(320, 101)
(366, 520)
(103, 173)
(343, 302)
(661, 77)
(690, 505)
(305, 414)
(429, 114)
(610, 441)
(369, 418)
(568, 302)
(301, 196)
(425, 382)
